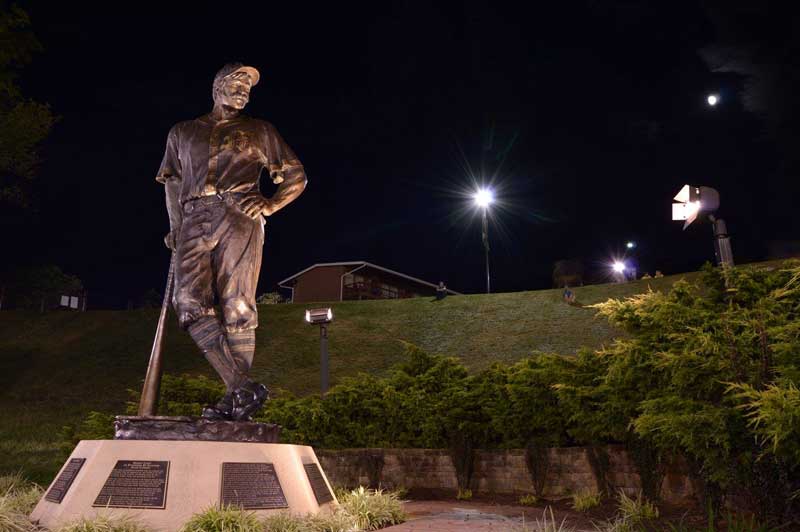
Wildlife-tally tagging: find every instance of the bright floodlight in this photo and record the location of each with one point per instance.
(483, 198)
(712, 99)
(692, 200)
(619, 266)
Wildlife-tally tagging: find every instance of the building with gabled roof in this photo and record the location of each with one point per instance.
(354, 280)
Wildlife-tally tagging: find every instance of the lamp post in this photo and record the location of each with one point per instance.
(483, 198)
(321, 317)
(695, 200)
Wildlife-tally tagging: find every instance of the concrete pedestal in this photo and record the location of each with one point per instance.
(186, 477)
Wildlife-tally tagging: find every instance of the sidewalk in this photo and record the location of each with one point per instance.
(458, 516)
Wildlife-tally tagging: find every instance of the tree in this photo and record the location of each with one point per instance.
(42, 287)
(23, 122)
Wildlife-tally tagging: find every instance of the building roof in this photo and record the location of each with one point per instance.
(361, 264)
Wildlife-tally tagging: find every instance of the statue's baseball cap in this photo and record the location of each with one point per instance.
(233, 68)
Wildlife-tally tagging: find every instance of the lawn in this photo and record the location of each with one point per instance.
(56, 367)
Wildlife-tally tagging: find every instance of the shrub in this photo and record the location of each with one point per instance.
(585, 500)
(230, 519)
(104, 523)
(372, 509)
(528, 500)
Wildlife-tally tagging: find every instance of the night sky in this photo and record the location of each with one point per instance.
(586, 117)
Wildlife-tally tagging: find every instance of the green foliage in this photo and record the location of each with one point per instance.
(464, 494)
(23, 123)
(183, 395)
(372, 509)
(636, 510)
(709, 372)
(104, 523)
(283, 522)
(697, 363)
(230, 519)
(333, 522)
(270, 298)
(545, 524)
(774, 415)
(528, 500)
(585, 500)
(29, 288)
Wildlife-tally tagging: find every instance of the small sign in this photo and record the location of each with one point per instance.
(64, 301)
(135, 484)
(251, 486)
(318, 484)
(62, 484)
(73, 302)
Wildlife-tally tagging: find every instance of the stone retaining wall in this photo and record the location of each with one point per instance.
(567, 470)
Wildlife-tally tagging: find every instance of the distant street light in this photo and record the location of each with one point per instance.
(693, 201)
(712, 100)
(483, 198)
(321, 317)
(630, 244)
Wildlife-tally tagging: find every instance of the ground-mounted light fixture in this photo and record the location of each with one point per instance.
(692, 201)
(321, 317)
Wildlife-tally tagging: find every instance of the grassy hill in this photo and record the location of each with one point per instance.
(56, 367)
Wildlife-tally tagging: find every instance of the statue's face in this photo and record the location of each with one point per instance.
(235, 91)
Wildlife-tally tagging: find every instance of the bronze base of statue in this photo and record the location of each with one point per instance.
(190, 428)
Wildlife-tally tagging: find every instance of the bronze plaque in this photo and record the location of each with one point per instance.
(251, 486)
(64, 481)
(135, 484)
(318, 484)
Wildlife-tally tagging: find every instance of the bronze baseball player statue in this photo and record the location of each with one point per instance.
(211, 171)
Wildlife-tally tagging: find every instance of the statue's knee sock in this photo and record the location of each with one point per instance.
(243, 346)
(209, 336)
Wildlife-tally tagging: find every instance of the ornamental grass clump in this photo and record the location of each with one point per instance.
(372, 509)
(338, 521)
(105, 523)
(585, 500)
(546, 524)
(229, 519)
(17, 499)
(283, 522)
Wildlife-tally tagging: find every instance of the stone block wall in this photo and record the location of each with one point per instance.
(567, 470)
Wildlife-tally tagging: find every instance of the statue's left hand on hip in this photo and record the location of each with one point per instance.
(255, 205)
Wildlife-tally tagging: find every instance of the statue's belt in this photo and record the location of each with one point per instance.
(231, 198)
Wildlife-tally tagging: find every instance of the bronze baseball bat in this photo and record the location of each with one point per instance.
(152, 380)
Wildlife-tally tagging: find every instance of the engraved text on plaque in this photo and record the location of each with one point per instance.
(64, 480)
(135, 484)
(252, 486)
(318, 484)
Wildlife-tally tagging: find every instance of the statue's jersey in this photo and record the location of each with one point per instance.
(211, 157)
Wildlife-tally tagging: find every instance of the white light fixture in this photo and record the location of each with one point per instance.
(618, 266)
(630, 244)
(712, 100)
(692, 201)
(483, 198)
(316, 316)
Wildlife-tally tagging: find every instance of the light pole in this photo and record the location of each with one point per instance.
(321, 317)
(483, 198)
(695, 200)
